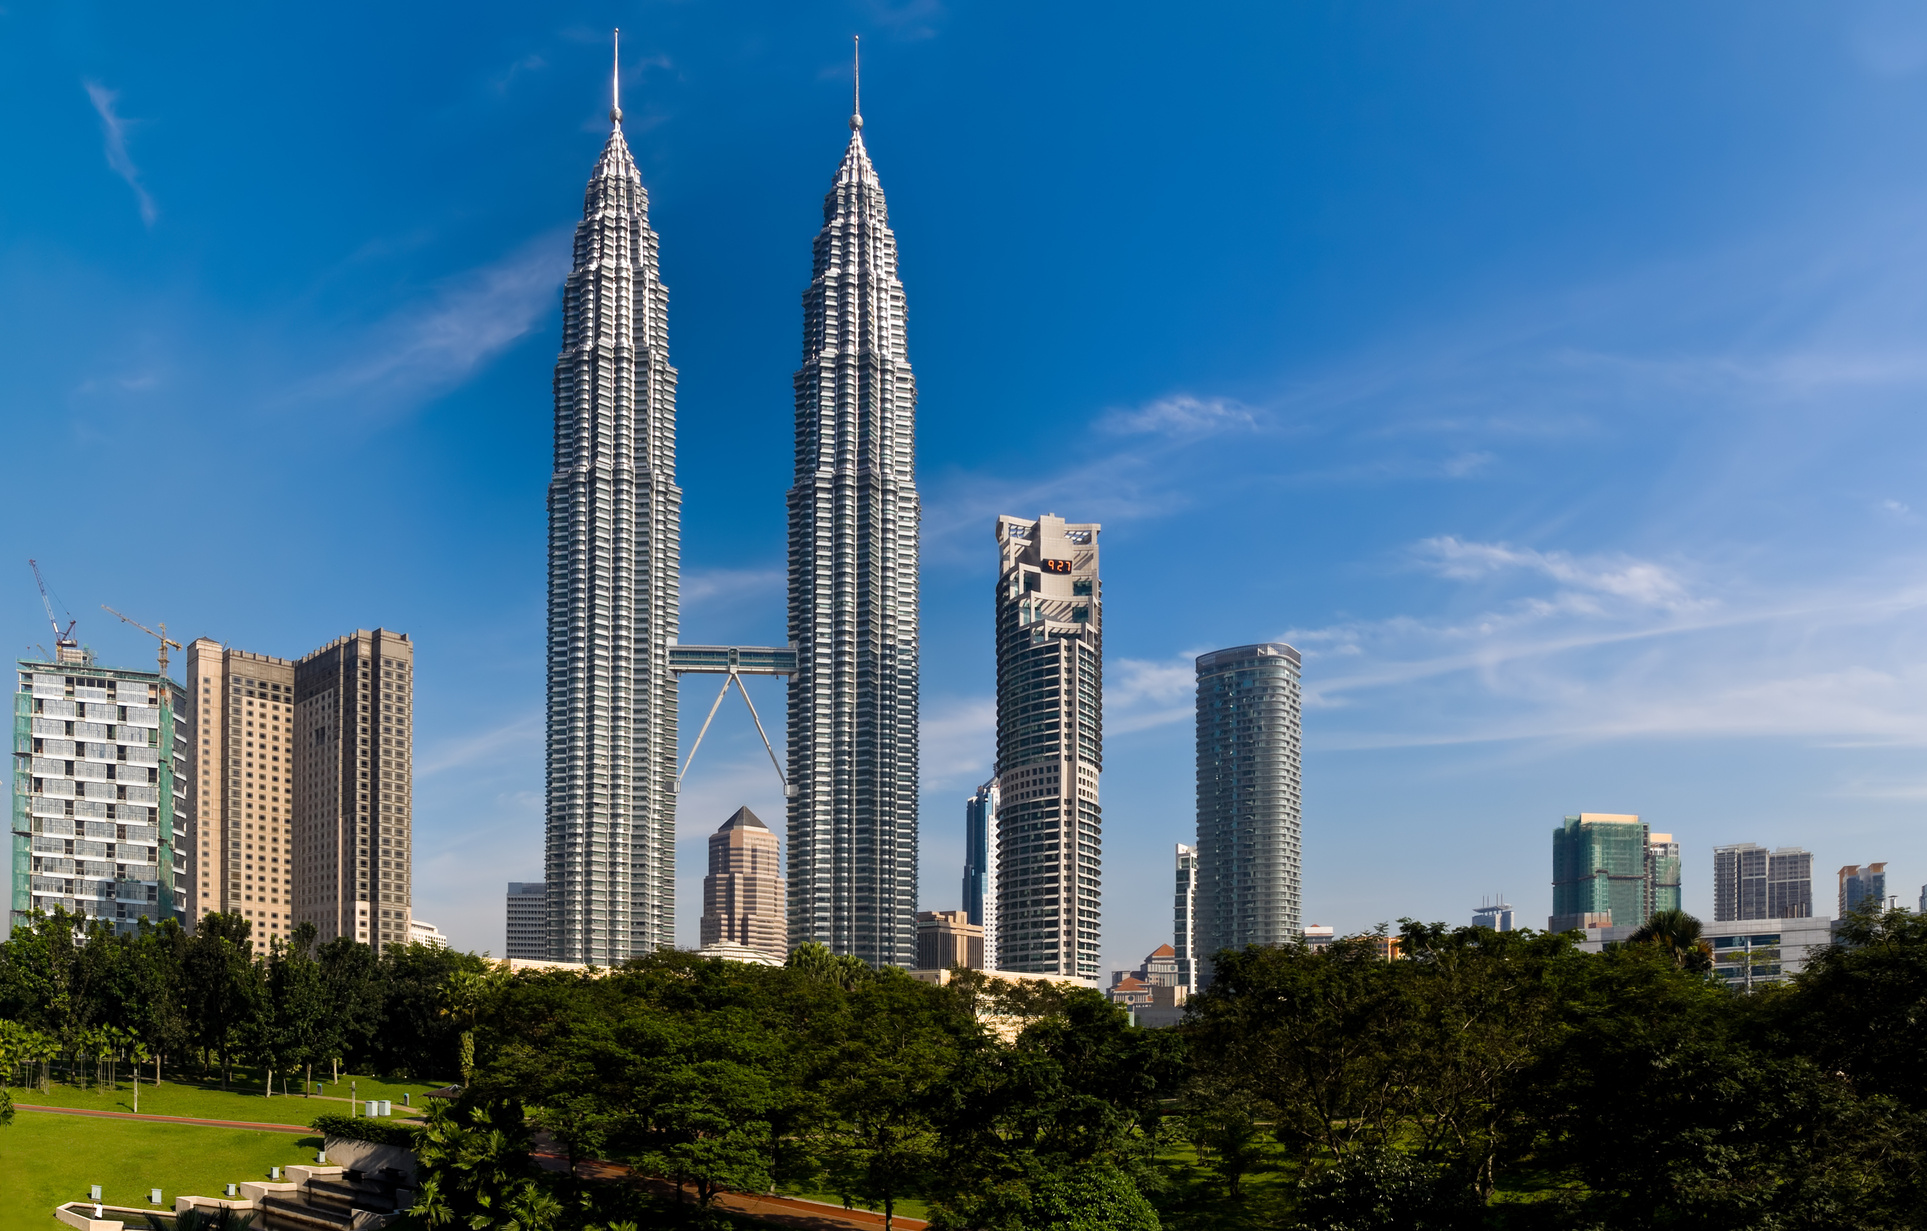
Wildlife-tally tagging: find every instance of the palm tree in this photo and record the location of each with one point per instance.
(1678, 935)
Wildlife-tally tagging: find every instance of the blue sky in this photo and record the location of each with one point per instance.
(1550, 375)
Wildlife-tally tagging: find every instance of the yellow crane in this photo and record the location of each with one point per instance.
(160, 636)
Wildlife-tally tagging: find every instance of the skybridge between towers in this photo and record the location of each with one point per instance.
(732, 662)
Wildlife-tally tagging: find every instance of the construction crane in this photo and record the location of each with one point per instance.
(66, 649)
(160, 636)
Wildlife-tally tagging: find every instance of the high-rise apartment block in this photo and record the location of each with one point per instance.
(354, 728)
(1184, 917)
(946, 939)
(101, 797)
(980, 866)
(528, 921)
(1249, 820)
(1606, 872)
(1862, 884)
(1050, 746)
(615, 528)
(854, 515)
(1751, 882)
(743, 893)
(242, 764)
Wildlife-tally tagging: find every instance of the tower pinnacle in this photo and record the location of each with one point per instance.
(856, 83)
(615, 83)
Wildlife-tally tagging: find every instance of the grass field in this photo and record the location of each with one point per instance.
(46, 1159)
(244, 1101)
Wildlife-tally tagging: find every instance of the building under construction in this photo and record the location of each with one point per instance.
(100, 799)
(1609, 870)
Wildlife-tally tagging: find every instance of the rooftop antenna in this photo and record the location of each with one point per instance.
(615, 82)
(856, 83)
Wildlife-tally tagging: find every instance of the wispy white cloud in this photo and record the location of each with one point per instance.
(113, 128)
(1181, 415)
(1621, 576)
(959, 741)
(436, 343)
(730, 585)
(473, 748)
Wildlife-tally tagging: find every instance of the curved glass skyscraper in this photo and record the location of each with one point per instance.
(1249, 824)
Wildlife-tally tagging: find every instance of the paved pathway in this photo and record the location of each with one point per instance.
(793, 1212)
(128, 1115)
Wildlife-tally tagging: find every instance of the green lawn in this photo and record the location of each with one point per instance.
(242, 1102)
(46, 1159)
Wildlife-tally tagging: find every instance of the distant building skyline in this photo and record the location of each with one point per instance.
(1249, 792)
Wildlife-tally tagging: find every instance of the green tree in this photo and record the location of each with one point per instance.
(224, 991)
(1677, 934)
(476, 1171)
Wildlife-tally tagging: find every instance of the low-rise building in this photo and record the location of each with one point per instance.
(1750, 953)
(1319, 935)
(947, 939)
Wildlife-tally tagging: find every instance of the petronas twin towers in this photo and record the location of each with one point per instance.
(615, 526)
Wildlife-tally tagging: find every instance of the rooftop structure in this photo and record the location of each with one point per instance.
(1494, 913)
(854, 515)
(615, 533)
(1050, 746)
(1249, 782)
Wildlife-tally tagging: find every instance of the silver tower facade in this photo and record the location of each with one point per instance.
(1249, 825)
(615, 526)
(853, 547)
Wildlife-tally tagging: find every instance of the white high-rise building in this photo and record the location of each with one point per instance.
(1184, 917)
(1050, 747)
(100, 792)
(615, 517)
(1248, 799)
(853, 549)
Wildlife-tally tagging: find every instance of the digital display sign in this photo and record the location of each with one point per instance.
(1054, 566)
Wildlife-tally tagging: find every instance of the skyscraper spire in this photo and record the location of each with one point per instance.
(615, 83)
(856, 83)
(854, 515)
(615, 528)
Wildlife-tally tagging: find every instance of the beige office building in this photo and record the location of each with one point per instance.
(242, 768)
(354, 722)
(743, 893)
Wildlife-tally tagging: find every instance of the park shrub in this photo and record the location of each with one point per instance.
(367, 1128)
